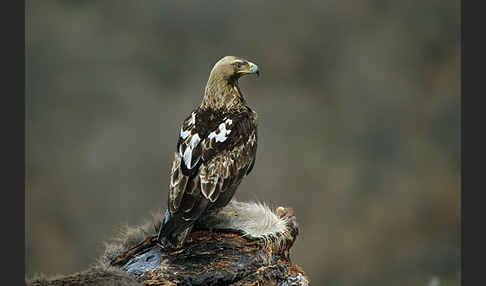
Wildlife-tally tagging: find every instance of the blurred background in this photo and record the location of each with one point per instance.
(359, 121)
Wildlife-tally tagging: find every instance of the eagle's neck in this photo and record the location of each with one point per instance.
(222, 94)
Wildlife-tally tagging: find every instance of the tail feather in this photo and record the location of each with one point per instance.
(174, 230)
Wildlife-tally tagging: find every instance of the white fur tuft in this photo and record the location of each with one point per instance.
(254, 219)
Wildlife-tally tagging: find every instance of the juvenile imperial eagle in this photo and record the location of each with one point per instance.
(216, 148)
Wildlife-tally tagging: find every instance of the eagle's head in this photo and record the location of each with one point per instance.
(231, 68)
(222, 90)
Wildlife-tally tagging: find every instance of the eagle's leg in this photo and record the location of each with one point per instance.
(211, 233)
(212, 212)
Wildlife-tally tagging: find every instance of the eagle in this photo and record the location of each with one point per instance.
(216, 148)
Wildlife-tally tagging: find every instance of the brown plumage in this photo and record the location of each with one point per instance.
(215, 150)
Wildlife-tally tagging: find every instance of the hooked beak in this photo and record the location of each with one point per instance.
(254, 68)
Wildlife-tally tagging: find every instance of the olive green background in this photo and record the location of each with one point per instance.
(359, 118)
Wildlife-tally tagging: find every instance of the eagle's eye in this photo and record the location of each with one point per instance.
(238, 65)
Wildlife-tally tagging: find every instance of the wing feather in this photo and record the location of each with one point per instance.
(189, 146)
(208, 163)
(209, 177)
(178, 182)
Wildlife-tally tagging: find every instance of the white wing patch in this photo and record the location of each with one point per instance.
(187, 154)
(221, 134)
(193, 119)
(184, 133)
